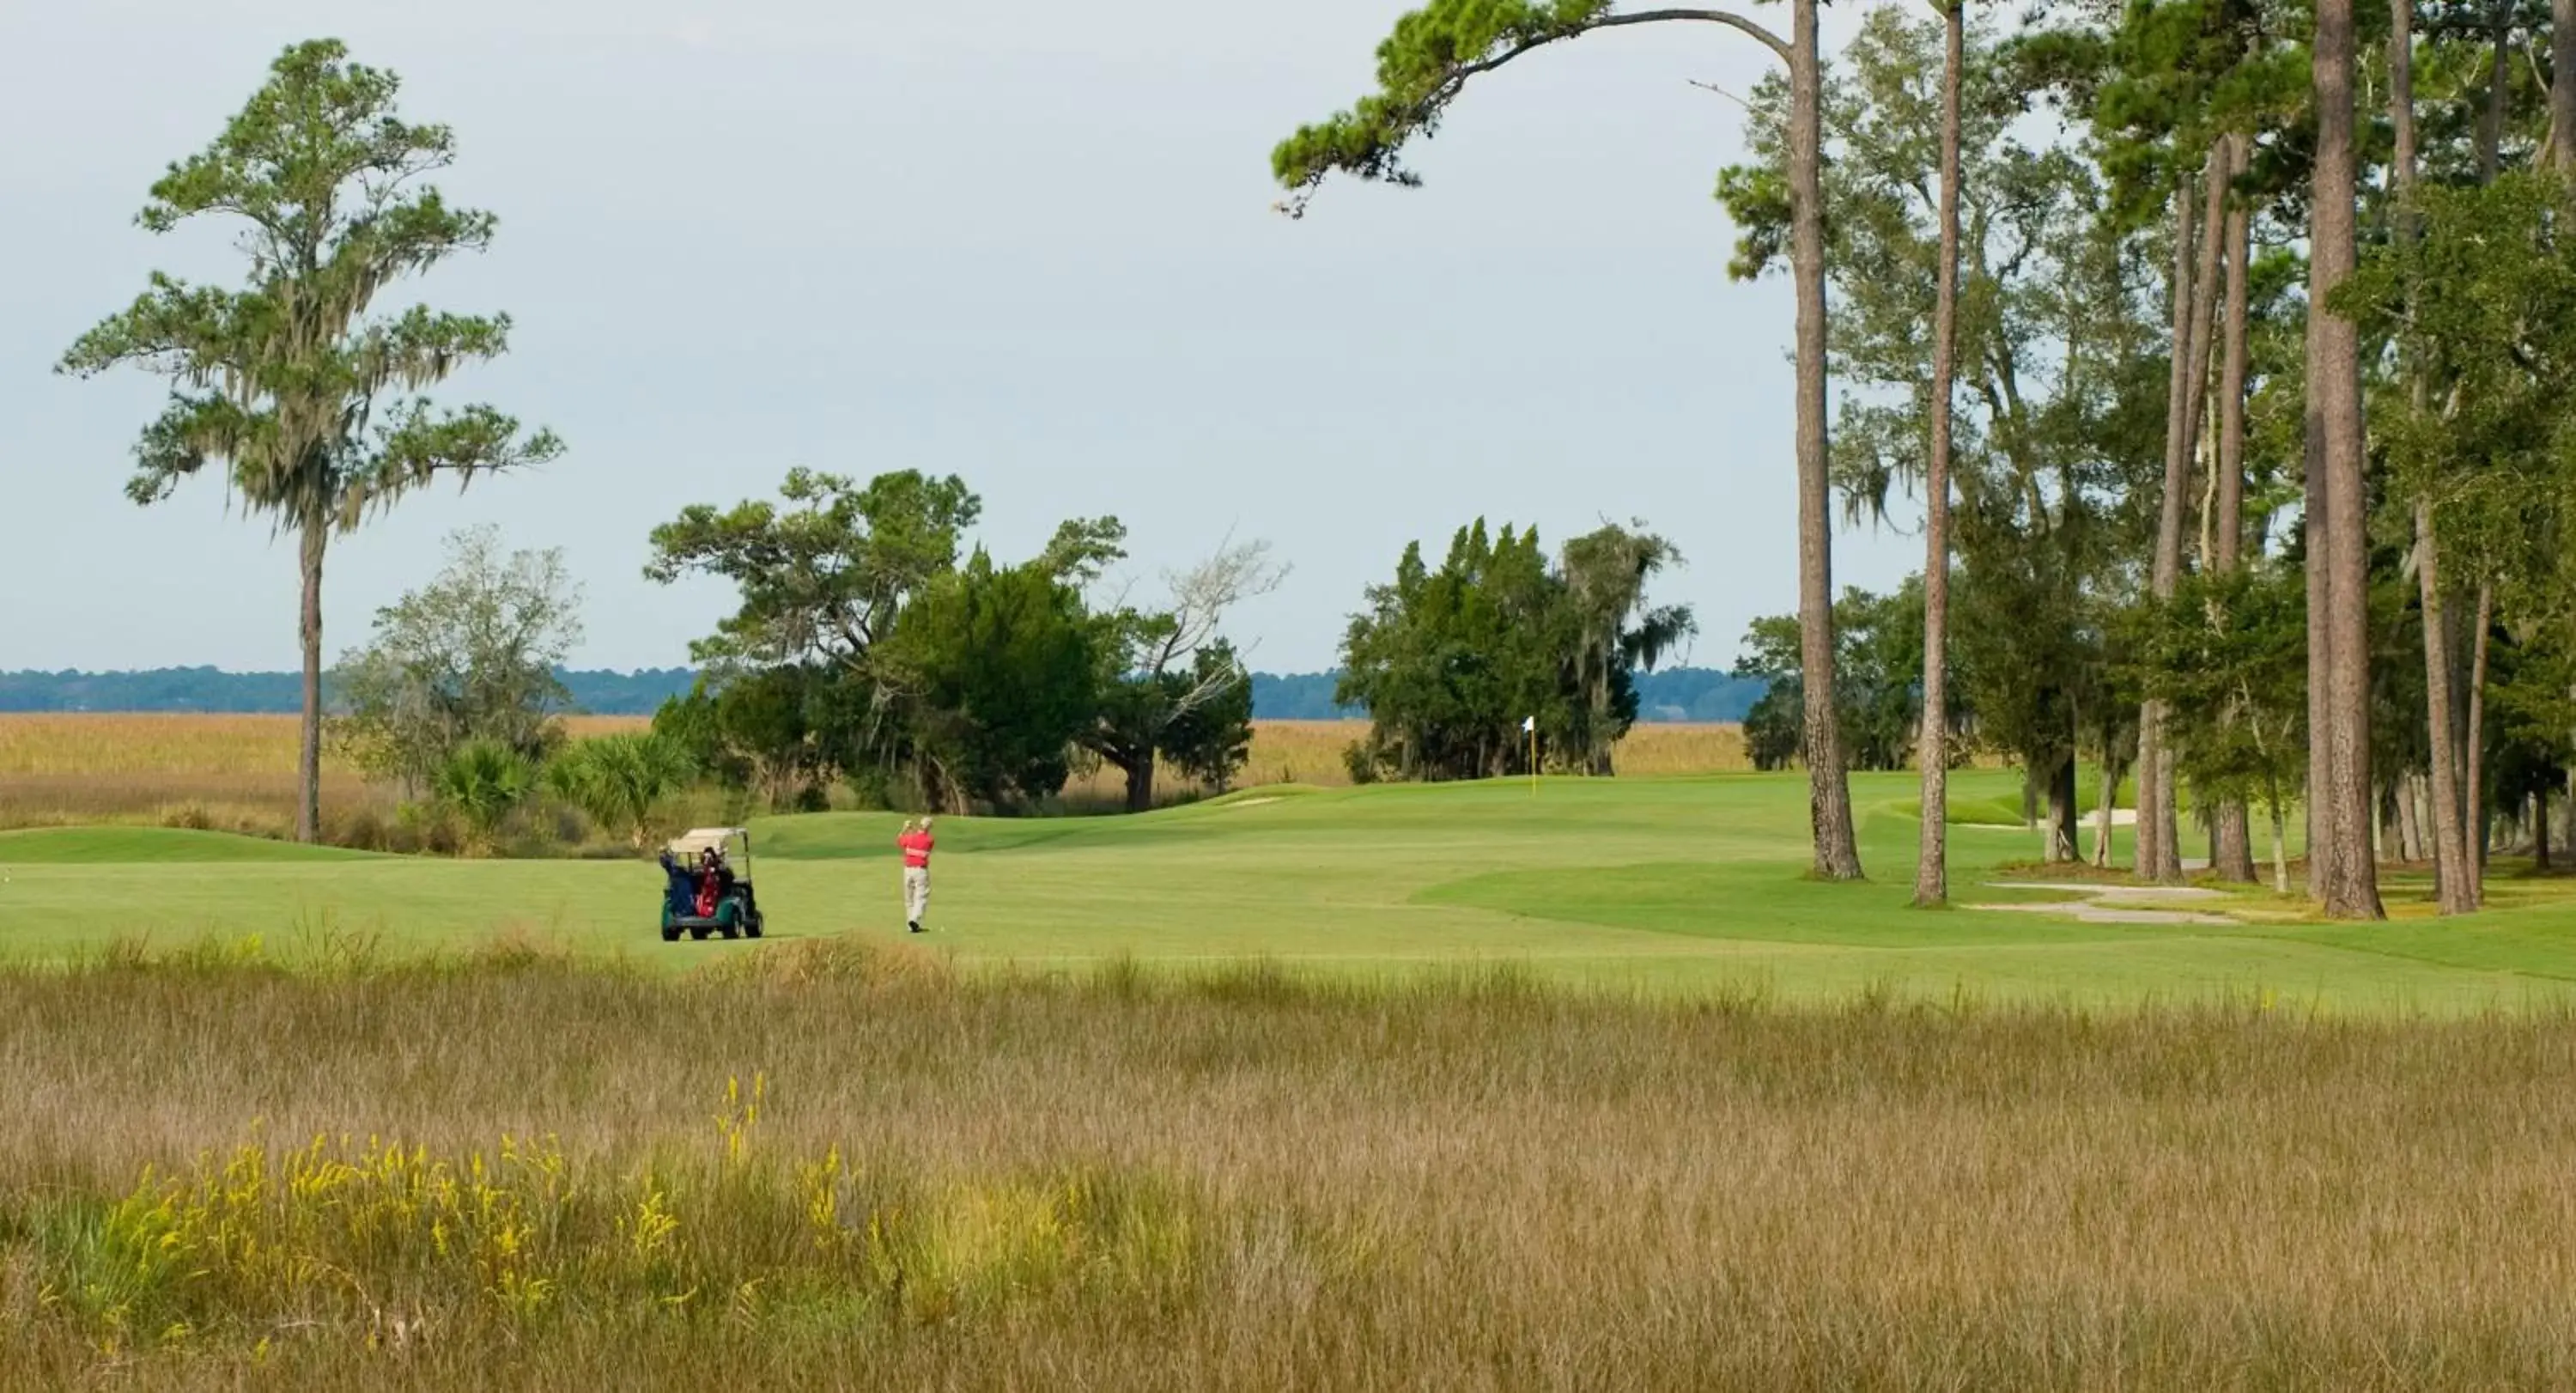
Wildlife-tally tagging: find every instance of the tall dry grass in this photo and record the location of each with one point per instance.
(1310, 752)
(234, 772)
(1682, 749)
(141, 744)
(237, 773)
(835, 1167)
(228, 772)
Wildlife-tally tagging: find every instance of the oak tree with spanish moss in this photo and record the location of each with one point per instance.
(310, 402)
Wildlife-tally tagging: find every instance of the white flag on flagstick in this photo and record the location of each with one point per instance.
(1529, 725)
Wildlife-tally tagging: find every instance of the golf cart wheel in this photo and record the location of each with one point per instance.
(698, 933)
(670, 931)
(751, 927)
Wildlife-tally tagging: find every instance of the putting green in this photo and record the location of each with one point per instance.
(1653, 884)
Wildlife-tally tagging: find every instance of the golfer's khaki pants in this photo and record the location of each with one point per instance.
(916, 893)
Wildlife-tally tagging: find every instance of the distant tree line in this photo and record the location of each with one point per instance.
(588, 691)
(1695, 694)
(1672, 695)
(1304, 696)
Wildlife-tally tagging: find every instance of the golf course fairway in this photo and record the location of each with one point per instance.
(1656, 885)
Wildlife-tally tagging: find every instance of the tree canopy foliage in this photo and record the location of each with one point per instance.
(1171, 685)
(310, 401)
(1879, 650)
(472, 655)
(2140, 190)
(873, 646)
(1450, 662)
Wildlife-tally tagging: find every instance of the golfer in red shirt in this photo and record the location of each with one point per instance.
(916, 843)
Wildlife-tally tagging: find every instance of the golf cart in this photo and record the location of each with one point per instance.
(704, 894)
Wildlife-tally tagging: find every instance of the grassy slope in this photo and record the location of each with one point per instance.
(1683, 883)
(124, 846)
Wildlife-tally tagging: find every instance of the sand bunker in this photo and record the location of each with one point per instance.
(2119, 904)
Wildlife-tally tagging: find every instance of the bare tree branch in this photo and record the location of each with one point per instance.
(1730, 96)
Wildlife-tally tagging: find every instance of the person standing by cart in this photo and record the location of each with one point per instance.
(916, 843)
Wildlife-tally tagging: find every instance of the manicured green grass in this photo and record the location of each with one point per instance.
(102, 846)
(1973, 812)
(1681, 885)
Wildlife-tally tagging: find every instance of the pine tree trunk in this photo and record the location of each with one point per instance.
(2401, 102)
(2452, 883)
(2311, 817)
(2499, 84)
(2195, 381)
(1931, 865)
(2207, 246)
(2423, 817)
(2318, 812)
(2409, 835)
(2195, 293)
(2540, 830)
(2232, 851)
(2411, 819)
(2391, 843)
(2334, 386)
(2562, 85)
(2155, 820)
(2455, 884)
(308, 791)
(2280, 851)
(1837, 850)
(2474, 758)
(2102, 822)
(2231, 847)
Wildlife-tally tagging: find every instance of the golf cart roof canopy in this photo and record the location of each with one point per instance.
(699, 839)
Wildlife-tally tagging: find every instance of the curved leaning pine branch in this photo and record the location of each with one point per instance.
(1429, 59)
(1779, 46)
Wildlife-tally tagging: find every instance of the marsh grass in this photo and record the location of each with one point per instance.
(221, 773)
(827, 1164)
(1310, 752)
(237, 773)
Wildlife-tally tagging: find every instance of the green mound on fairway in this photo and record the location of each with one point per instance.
(1754, 903)
(145, 846)
(1974, 812)
(870, 836)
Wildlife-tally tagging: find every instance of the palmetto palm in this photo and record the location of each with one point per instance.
(621, 779)
(483, 783)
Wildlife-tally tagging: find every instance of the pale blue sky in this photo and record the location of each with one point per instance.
(1027, 243)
